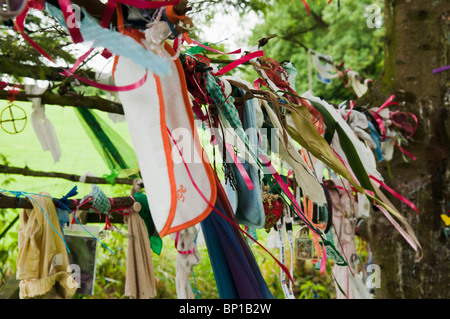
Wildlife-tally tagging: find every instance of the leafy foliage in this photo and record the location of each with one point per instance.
(344, 35)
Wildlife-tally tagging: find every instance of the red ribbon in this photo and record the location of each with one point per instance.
(239, 61)
(399, 124)
(19, 24)
(306, 6)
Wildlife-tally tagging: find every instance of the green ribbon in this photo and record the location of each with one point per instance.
(111, 178)
(155, 241)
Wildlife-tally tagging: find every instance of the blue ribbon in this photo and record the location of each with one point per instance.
(174, 34)
(65, 199)
(376, 138)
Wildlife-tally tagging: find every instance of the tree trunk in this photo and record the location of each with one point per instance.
(417, 42)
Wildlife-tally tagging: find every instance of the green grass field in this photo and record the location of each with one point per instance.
(78, 157)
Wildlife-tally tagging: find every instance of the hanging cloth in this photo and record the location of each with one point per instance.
(174, 202)
(114, 150)
(188, 256)
(235, 269)
(42, 262)
(325, 70)
(249, 210)
(140, 280)
(289, 152)
(118, 44)
(42, 126)
(359, 88)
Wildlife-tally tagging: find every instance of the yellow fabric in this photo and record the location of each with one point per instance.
(43, 260)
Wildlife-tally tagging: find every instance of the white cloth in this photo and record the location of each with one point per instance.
(42, 126)
(162, 103)
(325, 70)
(359, 88)
(359, 124)
(186, 262)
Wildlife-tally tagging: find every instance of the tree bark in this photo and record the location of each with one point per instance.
(416, 43)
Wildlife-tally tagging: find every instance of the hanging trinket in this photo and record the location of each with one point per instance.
(273, 209)
(13, 115)
(304, 247)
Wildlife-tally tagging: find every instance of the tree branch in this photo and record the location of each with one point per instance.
(37, 72)
(5, 169)
(26, 203)
(70, 99)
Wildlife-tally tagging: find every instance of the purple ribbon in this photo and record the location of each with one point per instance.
(442, 68)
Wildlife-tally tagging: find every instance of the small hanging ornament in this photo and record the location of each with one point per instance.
(304, 247)
(14, 115)
(273, 209)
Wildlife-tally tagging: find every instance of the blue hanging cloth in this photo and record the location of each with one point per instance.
(235, 268)
(376, 138)
(250, 209)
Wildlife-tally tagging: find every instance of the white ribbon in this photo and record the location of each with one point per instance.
(42, 126)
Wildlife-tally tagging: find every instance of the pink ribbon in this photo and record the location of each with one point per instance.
(380, 123)
(239, 61)
(352, 105)
(283, 267)
(106, 87)
(183, 252)
(240, 167)
(397, 226)
(387, 103)
(393, 192)
(404, 151)
(258, 82)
